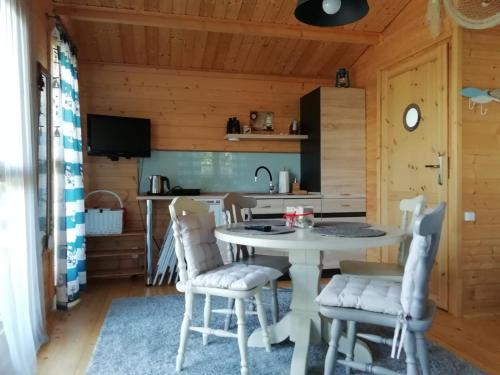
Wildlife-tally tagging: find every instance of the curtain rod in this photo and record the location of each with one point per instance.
(65, 36)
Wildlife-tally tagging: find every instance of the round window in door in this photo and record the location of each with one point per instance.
(411, 117)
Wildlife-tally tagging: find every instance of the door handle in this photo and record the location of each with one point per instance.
(439, 167)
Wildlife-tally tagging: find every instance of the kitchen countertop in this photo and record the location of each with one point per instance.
(220, 195)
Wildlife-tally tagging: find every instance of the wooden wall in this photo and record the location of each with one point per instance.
(406, 35)
(481, 176)
(188, 110)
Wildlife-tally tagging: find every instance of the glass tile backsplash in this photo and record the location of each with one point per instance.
(218, 171)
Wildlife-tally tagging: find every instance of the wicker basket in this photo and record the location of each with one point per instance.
(103, 221)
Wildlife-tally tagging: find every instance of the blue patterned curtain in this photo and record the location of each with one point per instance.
(68, 193)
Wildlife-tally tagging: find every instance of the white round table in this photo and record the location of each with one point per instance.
(303, 323)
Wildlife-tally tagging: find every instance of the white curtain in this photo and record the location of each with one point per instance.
(21, 313)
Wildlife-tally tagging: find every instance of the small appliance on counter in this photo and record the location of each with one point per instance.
(158, 185)
(284, 182)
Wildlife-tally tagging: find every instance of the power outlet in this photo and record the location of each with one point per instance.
(470, 216)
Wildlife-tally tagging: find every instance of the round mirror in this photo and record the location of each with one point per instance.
(411, 117)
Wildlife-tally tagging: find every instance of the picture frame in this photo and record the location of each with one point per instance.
(261, 121)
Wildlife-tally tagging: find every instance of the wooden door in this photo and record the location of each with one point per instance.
(421, 80)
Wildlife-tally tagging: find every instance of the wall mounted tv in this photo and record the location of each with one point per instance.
(116, 137)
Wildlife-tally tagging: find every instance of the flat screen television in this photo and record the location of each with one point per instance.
(115, 137)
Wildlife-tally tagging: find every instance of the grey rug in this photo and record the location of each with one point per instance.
(141, 336)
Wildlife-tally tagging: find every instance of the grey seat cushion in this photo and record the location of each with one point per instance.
(236, 276)
(200, 246)
(382, 296)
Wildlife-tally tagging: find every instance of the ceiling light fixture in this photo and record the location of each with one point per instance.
(330, 12)
(331, 6)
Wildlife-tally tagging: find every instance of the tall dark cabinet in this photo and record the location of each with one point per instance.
(333, 158)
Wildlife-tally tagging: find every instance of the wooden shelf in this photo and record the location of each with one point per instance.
(265, 137)
(124, 234)
(93, 254)
(126, 272)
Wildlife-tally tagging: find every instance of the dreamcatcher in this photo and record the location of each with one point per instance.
(470, 14)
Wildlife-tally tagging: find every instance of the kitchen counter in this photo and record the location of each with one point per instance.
(219, 195)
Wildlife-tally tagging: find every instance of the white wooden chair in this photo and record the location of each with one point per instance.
(403, 306)
(201, 271)
(234, 205)
(410, 209)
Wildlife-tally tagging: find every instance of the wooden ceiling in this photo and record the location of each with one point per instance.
(241, 36)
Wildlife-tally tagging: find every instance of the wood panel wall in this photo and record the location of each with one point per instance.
(481, 176)
(188, 111)
(407, 35)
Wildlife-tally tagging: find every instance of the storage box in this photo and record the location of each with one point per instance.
(104, 221)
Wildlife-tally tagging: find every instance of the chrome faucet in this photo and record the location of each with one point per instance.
(271, 185)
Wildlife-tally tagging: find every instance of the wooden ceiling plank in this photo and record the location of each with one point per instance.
(278, 48)
(220, 9)
(284, 57)
(128, 47)
(152, 45)
(164, 47)
(324, 52)
(273, 10)
(115, 44)
(351, 55)
(259, 10)
(287, 9)
(96, 14)
(222, 51)
(102, 41)
(189, 48)
(180, 7)
(233, 9)
(254, 54)
(193, 7)
(166, 6)
(210, 50)
(199, 49)
(176, 47)
(301, 64)
(246, 46)
(295, 56)
(232, 53)
(267, 55)
(140, 44)
(247, 10)
(108, 3)
(207, 8)
(336, 61)
(152, 5)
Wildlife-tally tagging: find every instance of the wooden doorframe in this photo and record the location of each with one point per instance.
(452, 47)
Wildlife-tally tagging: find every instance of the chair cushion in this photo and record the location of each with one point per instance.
(377, 295)
(414, 274)
(200, 246)
(236, 276)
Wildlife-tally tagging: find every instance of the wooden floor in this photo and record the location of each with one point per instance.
(73, 334)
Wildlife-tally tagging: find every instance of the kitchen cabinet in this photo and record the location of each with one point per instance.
(325, 210)
(333, 157)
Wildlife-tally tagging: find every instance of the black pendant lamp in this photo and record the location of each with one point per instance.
(330, 12)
